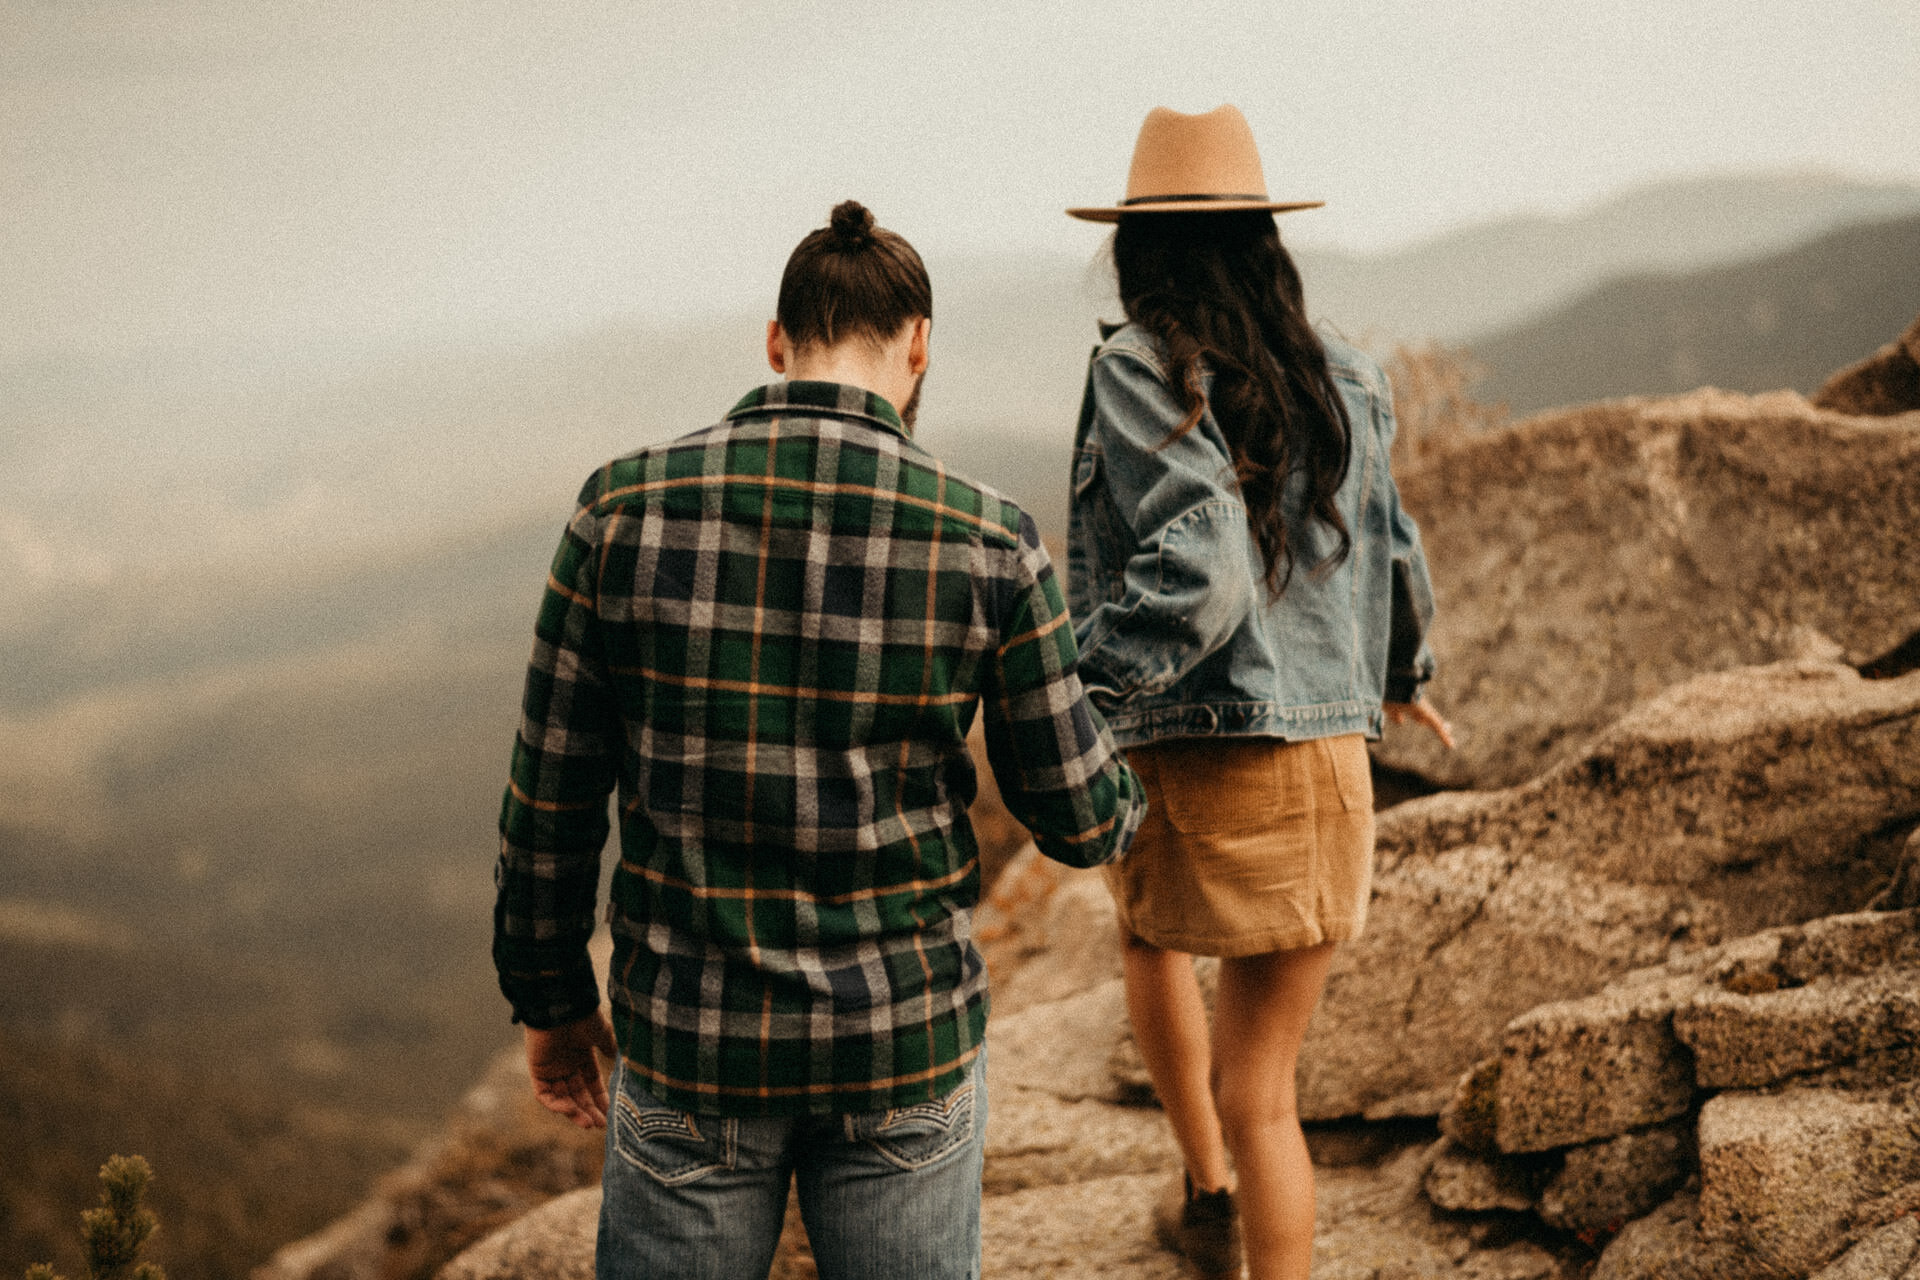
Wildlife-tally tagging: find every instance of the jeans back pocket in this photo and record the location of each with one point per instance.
(921, 1135)
(671, 1146)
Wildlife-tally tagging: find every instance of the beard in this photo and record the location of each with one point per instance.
(911, 409)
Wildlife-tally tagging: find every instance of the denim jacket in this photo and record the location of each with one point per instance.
(1179, 634)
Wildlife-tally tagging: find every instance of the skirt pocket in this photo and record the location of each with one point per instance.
(1231, 787)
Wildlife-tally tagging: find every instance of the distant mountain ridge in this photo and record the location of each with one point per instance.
(1782, 321)
(1467, 283)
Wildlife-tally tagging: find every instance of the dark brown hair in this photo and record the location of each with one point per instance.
(1219, 292)
(852, 279)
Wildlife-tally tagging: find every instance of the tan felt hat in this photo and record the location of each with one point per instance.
(1194, 164)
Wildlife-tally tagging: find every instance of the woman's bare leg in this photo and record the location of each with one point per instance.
(1259, 1020)
(1170, 1026)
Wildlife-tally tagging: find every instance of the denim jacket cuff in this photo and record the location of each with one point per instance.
(1404, 688)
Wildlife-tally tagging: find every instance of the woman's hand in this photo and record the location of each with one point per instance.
(1421, 712)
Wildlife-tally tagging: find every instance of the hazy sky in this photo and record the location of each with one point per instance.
(181, 172)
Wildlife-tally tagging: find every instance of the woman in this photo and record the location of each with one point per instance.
(1251, 603)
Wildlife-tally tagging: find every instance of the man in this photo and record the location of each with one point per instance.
(772, 636)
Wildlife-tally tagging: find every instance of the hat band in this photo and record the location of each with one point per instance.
(1182, 199)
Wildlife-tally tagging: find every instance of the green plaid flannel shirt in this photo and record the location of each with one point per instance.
(773, 636)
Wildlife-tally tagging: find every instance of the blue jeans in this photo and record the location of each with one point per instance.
(885, 1194)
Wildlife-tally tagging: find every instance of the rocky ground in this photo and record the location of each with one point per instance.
(1643, 1004)
(1590, 557)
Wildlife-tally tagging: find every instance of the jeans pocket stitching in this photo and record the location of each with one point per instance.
(636, 1126)
(954, 1114)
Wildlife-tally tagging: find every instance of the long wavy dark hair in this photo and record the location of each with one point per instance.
(1221, 294)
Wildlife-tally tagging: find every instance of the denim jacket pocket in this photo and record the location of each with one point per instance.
(1095, 529)
(1086, 470)
(673, 1147)
(921, 1135)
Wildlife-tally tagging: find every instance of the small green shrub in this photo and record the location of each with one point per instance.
(113, 1233)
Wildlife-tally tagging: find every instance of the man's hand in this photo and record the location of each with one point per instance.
(1421, 712)
(566, 1076)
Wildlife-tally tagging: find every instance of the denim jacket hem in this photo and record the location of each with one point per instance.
(1244, 720)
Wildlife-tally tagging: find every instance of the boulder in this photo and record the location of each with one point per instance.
(1782, 1173)
(1901, 1202)
(1736, 802)
(1471, 1116)
(1468, 1182)
(1886, 382)
(1579, 1070)
(1037, 1139)
(1604, 1185)
(1830, 1001)
(1047, 932)
(554, 1242)
(1667, 1245)
(1065, 1048)
(1373, 1223)
(1588, 558)
(1884, 1254)
(1745, 1041)
(1856, 943)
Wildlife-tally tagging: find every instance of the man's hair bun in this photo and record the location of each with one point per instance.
(850, 279)
(852, 224)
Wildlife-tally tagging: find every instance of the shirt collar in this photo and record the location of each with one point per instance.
(832, 399)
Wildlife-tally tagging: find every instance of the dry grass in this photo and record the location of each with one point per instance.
(1433, 400)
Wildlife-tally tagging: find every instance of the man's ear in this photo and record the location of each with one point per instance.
(776, 346)
(917, 346)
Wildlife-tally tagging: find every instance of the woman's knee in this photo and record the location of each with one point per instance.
(1249, 1101)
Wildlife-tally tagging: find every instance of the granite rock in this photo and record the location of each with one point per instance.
(1749, 1040)
(1472, 1114)
(1667, 1244)
(1831, 999)
(1584, 1069)
(1782, 1173)
(1886, 382)
(1036, 1139)
(1854, 943)
(1885, 1254)
(1737, 802)
(500, 1156)
(1077, 1230)
(1589, 558)
(554, 1242)
(1064, 1047)
(1467, 1182)
(1603, 1185)
(1047, 932)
